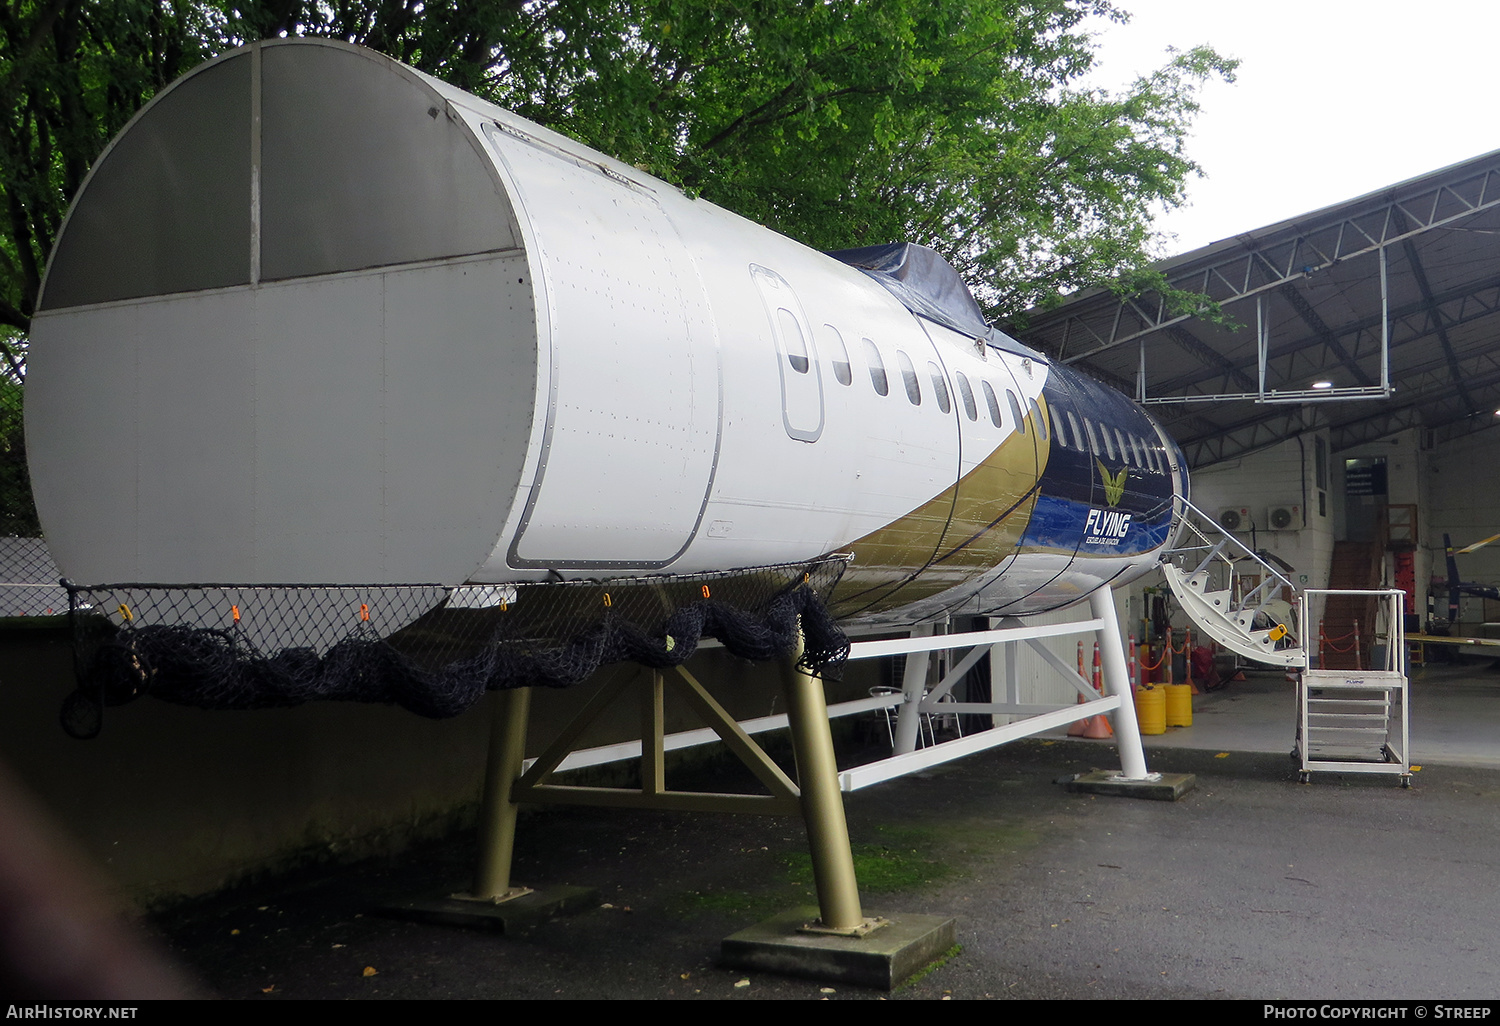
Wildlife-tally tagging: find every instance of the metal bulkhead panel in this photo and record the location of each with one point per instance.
(354, 403)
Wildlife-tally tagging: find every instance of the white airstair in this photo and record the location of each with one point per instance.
(1205, 571)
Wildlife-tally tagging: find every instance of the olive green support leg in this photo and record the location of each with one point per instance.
(823, 806)
(841, 944)
(494, 903)
(497, 813)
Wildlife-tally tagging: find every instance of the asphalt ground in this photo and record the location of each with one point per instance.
(1251, 886)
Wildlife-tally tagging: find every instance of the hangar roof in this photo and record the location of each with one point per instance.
(1417, 263)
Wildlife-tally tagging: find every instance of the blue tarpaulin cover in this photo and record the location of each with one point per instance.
(926, 284)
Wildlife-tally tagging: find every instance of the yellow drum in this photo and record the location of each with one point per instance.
(1151, 710)
(1179, 705)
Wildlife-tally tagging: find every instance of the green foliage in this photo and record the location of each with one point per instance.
(17, 514)
(957, 124)
(1148, 281)
(72, 73)
(953, 123)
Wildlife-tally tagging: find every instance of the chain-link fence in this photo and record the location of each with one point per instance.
(17, 512)
(432, 650)
(428, 648)
(28, 577)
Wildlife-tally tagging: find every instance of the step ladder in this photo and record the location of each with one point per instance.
(1356, 719)
(1203, 570)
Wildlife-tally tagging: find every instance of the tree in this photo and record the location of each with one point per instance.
(953, 123)
(72, 72)
(17, 513)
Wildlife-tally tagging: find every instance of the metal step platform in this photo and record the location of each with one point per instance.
(1355, 720)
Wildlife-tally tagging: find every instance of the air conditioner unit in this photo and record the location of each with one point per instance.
(1283, 518)
(1235, 518)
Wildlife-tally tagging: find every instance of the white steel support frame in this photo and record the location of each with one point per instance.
(1026, 720)
(1013, 719)
(913, 689)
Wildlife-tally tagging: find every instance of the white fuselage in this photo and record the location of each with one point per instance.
(580, 372)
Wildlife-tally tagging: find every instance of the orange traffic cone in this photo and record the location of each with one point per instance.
(1096, 728)
(1099, 725)
(1078, 727)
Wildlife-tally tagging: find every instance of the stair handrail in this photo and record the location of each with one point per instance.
(1214, 547)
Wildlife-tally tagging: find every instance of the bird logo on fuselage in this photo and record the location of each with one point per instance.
(1114, 484)
(1108, 526)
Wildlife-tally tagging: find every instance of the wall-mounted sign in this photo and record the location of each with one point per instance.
(1364, 477)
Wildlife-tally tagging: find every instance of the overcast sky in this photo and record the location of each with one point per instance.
(1333, 99)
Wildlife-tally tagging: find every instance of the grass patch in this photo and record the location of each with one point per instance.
(901, 863)
(896, 858)
(933, 966)
(735, 903)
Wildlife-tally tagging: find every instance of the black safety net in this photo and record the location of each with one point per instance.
(430, 649)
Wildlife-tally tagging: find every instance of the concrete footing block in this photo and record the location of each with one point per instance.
(884, 958)
(1160, 787)
(510, 916)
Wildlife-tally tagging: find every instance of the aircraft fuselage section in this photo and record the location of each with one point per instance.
(516, 358)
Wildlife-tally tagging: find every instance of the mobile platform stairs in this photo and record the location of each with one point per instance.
(1348, 720)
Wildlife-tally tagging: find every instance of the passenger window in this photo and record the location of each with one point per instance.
(1093, 439)
(1077, 432)
(993, 404)
(1109, 443)
(838, 354)
(940, 386)
(966, 393)
(1038, 420)
(877, 368)
(1015, 411)
(1120, 438)
(796, 345)
(909, 376)
(1140, 455)
(1060, 430)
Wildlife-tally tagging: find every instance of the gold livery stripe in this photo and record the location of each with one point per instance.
(971, 526)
